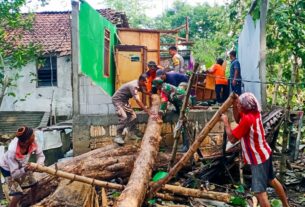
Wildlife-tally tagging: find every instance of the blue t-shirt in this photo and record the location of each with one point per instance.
(175, 79)
(235, 65)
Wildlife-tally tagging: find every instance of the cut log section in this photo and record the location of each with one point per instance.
(196, 144)
(135, 191)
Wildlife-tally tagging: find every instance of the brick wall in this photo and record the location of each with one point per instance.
(93, 131)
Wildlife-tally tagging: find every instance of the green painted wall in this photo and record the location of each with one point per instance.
(91, 39)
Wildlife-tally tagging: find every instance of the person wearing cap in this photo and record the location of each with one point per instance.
(127, 116)
(255, 149)
(172, 78)
(221, 82)
(14, 164)
(175, 96)
(177, 60)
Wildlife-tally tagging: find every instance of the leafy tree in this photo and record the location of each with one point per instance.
(286, 47)
(13, 53)
(135, 11)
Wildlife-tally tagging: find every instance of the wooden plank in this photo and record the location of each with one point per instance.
(129, 37)
(150, 40)
(152, 56)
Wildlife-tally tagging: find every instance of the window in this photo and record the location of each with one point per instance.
(107, 53)
(47, 71)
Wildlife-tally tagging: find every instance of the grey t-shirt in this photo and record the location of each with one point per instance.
(235, 65)
(126, 91)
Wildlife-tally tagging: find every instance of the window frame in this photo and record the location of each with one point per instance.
(53, 62)
(106, 66)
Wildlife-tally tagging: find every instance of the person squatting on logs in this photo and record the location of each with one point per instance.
(127, 116)
(255, 149)
(14, 165)
(175, 96)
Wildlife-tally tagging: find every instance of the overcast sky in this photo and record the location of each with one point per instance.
(158, 5)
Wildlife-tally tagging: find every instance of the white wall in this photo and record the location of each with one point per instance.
(40, 98)
(92, 99)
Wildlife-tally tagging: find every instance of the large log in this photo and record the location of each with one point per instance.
(135, 191)
(196, 144)
(104, 164)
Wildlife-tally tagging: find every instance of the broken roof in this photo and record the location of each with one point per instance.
(52, 30)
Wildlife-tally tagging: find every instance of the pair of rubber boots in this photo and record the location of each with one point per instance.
(16, 186)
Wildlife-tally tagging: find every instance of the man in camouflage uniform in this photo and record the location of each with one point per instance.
(174, 95)
(127, 116)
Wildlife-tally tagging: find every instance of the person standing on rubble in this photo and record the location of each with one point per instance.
(221, 82)
(255, 149)
(177, 60)
(127, 116)
(14, 165)
(235, 74)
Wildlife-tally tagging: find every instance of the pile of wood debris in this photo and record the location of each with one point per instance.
(123, 176)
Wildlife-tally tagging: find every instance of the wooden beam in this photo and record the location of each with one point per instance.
(75, 57)
(148, 30)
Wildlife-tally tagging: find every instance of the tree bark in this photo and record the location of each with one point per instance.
(135, 191)
(196, 144)
(104, 164)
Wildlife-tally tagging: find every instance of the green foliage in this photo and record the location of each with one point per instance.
(238, 201)
(276, 203)
(13, 54)
(286, 46)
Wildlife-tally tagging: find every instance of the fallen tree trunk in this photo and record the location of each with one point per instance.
(196, 144)
(104, 164)
(135, 191)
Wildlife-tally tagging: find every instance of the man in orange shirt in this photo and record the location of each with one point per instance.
(221, 82)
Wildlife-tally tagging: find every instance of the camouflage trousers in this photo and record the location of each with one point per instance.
(127, 117)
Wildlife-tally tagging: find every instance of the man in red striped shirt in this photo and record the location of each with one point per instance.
(256, 151)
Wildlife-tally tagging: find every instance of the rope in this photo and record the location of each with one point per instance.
(251, 81)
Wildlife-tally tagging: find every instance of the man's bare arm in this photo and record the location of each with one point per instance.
(228, 129)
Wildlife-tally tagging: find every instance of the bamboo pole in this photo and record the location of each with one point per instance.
(135, 191)
(189, 192)
(104, 198)
(182, 117)
(74, 177)
(196, 144)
